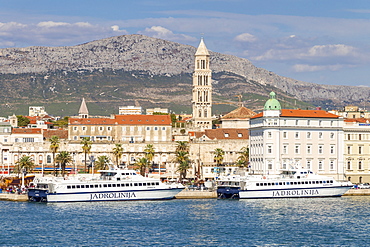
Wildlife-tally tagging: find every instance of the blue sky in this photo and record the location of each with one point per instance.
(320, 41)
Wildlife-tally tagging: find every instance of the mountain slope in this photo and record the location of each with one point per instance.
(138, 69)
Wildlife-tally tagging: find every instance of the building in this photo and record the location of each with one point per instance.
(130, 110)
(150, 111)
(357, 149)
(238, 118)
(38, 111)
(202, 89)
(280, 138)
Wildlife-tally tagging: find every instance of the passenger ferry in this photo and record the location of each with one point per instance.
(297, 182)
(110, 185)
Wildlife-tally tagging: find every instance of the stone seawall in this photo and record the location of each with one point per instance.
(357, 192)
(13, 197)
(196, 194)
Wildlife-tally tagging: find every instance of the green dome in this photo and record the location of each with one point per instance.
(272, 103)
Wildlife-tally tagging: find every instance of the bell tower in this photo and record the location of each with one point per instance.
(202, 89)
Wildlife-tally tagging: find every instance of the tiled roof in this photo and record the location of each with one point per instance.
(241, 112)
(61, 133)
(26, 131)
(357, 120)
(303, 114)
(223, 133)
(124, 120)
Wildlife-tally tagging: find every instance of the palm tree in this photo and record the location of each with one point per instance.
(54, 146)
(25, 163)
(102, 163)
(64, 158)
(243, 158)
(182, 146)
(86, 147)
(117, 152)
(219, 156)
(149, 154)
(141, 164)
(182, 158)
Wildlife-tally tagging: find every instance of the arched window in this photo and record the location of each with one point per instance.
(48, 159)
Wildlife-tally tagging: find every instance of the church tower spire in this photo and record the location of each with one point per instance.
(202, 89)
(83, 112)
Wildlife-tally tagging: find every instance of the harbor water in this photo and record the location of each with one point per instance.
(204, 222)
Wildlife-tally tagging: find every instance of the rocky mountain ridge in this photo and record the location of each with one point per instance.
(146, 57)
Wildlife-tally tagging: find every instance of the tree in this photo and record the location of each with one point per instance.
(64, 158)
(86, 147)
(182, 158)
(149, 154)
(117, 152)
(243, 158)
(102, 163)
(22, 121)
(141, 164)
(182, 146)
(219, 156)
(54, 146)
(25, 163)
(62, 123)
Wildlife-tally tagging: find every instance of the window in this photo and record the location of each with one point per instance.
(320, 122)
(360, 150)
(321, 148)
(360, 165)
(83, 128)
(101, 128)
(163, 128)
(359, 137)
(48, 159)
(109, 128)
(308, 135)
(285, 135)
(320, 165)
(147, 128)
(309, 149)
(269, 149)
(226, 134)
(285, 149)
(331, 135)
(296, 135)
(296, 149)
(320, 135)
(349, 165)
(308, 164)
(332, 149)
(269, 166)
(332, 165)
(308, 122)
(349, 137)
(75, 128)
(269, 134)
(296, 122)
(240, 135)
(349, 150)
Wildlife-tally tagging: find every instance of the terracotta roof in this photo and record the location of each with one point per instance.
(26, 131)
(124, 120)
(241, 112)
(357, 120)
(303, 113)
(223, 133)
(61, 133)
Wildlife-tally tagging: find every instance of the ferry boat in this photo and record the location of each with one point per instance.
(293, 183)
(110, 185)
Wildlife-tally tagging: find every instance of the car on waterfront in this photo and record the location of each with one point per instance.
(364, 186)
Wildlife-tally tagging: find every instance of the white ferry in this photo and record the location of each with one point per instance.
(297, 182)
(111, 185)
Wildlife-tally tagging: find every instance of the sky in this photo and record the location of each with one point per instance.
(319, 41)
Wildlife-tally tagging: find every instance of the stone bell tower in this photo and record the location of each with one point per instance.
(202, 89)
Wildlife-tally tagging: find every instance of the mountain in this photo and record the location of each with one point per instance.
(136, 69)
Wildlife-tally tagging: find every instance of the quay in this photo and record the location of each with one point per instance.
(185, 194)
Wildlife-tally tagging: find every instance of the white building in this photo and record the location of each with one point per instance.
(280, 138)
(37, 111)
(130, 110)
(150, 111)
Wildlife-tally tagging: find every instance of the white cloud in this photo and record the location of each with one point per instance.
(49, 24)
(164, 33)
(245, 37)
(331, 50)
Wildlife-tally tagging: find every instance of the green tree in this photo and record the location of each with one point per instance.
(149, 154)
(182, 146)
(86, 147)
(219, 156)
(243, 158)
(54, 146)
(141, 164)
(117, 152)
(22, 121)
(182, 158)
(62, 123)
(102, 163)
(25, 163)
(64, 158)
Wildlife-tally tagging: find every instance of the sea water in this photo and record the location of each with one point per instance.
(341, 221)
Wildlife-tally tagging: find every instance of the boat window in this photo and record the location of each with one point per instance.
(135, 184)
(78, 186)
(68, 186)
(320, 182)
(295, 183)
(109, 185)
(118, 179)
(264, 184)
(118, 185)
(82, 186)
(96, 185)
(280, 183)
(104, 185)
(287, 183)
(331, 181)
(306, 182)
(257, 184)
(157, 183)
(140, 184)
(113, 185)
(73, 186)
(144, 184)
(153, 184)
